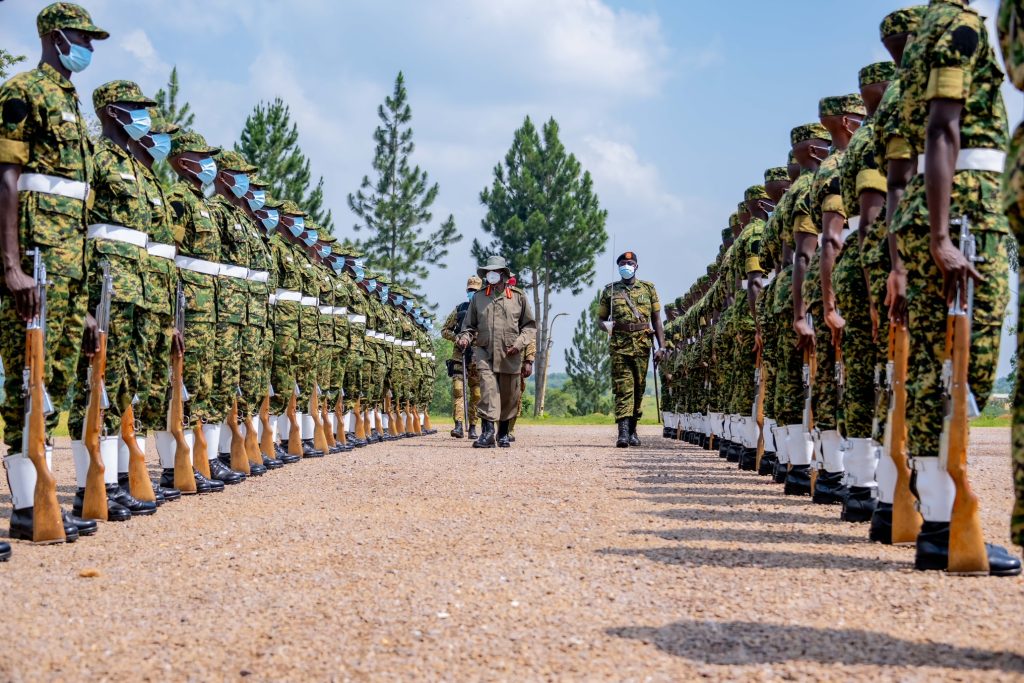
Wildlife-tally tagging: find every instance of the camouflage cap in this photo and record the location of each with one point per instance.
(734, 220)
(113, 92)
(680, 302)
(190, 141)
(776, 174)
(258, 181)
(809, 131)
(326, 237)
(231, 160)
(270, 203)
(474, 283)
(879, 72)
(791, 158)
(67, 15)
(755, 192)
(901, 21)
(741, 207)
(160, 124)
(290, 208)
(837, 105)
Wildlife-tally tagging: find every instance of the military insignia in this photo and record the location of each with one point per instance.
(68, 117)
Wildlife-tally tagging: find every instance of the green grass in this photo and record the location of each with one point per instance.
(998, 421)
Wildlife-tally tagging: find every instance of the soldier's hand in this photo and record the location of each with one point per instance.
(659, 355)
(896, 296)
(512, 351)
(90, 337)
(804, 334)
(462, 343)
(758, 342)
(23, 289)
(836, 324)
(527, 369)
(178, 343)
(955, 268)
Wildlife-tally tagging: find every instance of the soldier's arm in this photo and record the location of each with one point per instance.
(14, 153)
(448, 330)
(469, 324)
(604, 310)
(527, 326)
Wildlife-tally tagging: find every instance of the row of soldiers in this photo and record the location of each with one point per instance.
(860, 290)
(288, 347)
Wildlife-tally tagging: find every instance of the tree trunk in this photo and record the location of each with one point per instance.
(542, 347)
(539, 359)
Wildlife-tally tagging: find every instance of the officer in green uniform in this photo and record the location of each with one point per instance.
(45, 170)
(450, 330)
(954, 121)
(627, 309)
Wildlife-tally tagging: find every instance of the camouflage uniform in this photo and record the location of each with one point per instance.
(357, 349)
(1011, 39)
(744, 359)
(630, 350)
(287, 265)
(449, 330)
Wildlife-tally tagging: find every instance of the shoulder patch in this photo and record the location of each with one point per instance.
(15, 111)
(965, 41)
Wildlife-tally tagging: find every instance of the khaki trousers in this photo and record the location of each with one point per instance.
(499, 393)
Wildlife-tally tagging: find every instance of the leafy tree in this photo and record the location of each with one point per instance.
(394, 206)
(588, 365)
(441, 403)
(167, 105)
(270, 140)
(545, 218)
(7, 60)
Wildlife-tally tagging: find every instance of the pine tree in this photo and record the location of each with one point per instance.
(394, 207)
(7, 60)
(270, 140)
(588, 365)
(544, 218)
(167, 105)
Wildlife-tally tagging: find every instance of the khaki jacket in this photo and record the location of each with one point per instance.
(498, 321)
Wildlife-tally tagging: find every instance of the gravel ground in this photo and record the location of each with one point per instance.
(557, 560)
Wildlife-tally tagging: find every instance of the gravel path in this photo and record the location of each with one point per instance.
(557, 560)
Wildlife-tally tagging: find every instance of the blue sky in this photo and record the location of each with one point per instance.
(674, 106)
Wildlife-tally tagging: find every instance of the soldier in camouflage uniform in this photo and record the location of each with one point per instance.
(950, 80)
(1011, 40)
(308, 351)
(340, 355)
(450, 330)
(44, 141)
(374, 365)
(355, 392)
(627, 309)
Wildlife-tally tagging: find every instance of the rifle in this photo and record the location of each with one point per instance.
(809, 370)
(319, 436)
(294, 435)
(967, 554)
(47, 521)
(267, 439)
(94, 502)
(139, 483)
(906, 521)
(758, 412)
(239, 458)
(184, 479)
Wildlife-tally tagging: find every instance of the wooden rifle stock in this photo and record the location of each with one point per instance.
(199, 459)
(294, 435)
(239, 458)
(139, 483)
(758, 409)
(810, 369)
(184, 479)
(94, 500)
(339, 414)
(906, 520)
(325, 420)
(319, 437)
(267, 441)
(358, 416)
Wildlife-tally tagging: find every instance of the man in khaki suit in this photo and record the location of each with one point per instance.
(500, 326)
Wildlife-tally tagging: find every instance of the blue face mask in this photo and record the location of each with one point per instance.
(626, 271)
(77, 58)
(384, 292)
(324, 251)
(371, 286)
(399, 299)
(271, 220)
(241, 184)
(140, 122)
(469, 294)
(207, 170)
(310, 239)
(259, 198)
(358, 273)
(297, 226)
(161, 146)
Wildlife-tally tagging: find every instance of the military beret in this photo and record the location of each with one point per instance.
(160, 124)
(879, 72)
(726, 234)
(776, 174)
(290, 208)
(755, 192)
(231, 160)
(626, 256)
(119, 91)
(189, 141)
(902, 21)
(67, 15)
(837, 105)
(809, 131)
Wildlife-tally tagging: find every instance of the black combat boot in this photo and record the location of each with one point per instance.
(634, 440)
(457, 432)
(272, 463)
(733, 451)
(859, 505)
(123, 480)
(257, 469)
(881, 524)
(780, 472)
(933, 552)
(204, 485)
(503, 440)
(225, 474)
(798, 481)
(748, 459)
(486, 439)
(5, 551)
(472, 430)
(311, 451)
(166, 483)
(115, 511)
(723, 448)
(282, 454)
(21, 526)
(122, 497)
(768, 460)
(623, 440)
(85, 527)
(829, 489)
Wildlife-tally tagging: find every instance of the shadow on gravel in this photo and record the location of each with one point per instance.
(759, 558)
(748, 536)
(745, 642)
(737, 515)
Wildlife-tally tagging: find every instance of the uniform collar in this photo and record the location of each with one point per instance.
(55, 76)
(116, 148)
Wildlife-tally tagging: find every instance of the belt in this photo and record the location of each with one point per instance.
(974, 160)
(379, 335)
(389, 338)
(237, 272)
(165, 251)
(310, 301)
(341, 310)
(51, 184)
(327, 310)
(117, 233)
(287, 295)
(769, 278)
(630, 327)
(853, 222)
(258, 276)
(358, 319)
(272, 299)
(197, 265)
(370, 334)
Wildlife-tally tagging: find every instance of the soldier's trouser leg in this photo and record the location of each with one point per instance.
(629, 381)
(156, 330)
(458, 391)
(200, 372)
(251, 374)
(490, 406)
(474, 391)
(1016, 216)
(283, 371)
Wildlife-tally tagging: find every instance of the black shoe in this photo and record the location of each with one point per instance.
(135, 506)
(472, 430)
(166, 483)
(123, 480)
(767, 467)
(486, 439)
(310, 451)
(634, 440)
(257, 469)
(666, 433)
(733, 451)
(881, 524)
(933, 552)
(748, 459)
(723, 448)
(115, 511)
(5, 551)
(780, 472)
(829, 489)
(859, 505)
(336, 448)
(282, 454)
(84, 527)
(204, 485)
(798, 481)
(457, 432)
(169, 494)
(511, 438)
(708, 442)
(356, 443)
(622, 441)
(225, 474)
(503, 441)
(272, 463)
(21, 526)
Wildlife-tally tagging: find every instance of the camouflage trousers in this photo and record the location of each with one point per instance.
(155, 332)
(1015, 213)
(66, 306)
(228, 361)
(769, 340)
(199, 372)
(458, 391)
(282, 371)
(339, 368)
(875, 259)
(353, 377)
(254, 368)
(629, 381)
(789, 390)
(927, 310)
(307, 368)
(744, 358)
(856, 409)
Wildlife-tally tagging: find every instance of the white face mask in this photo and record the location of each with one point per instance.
(493, 277)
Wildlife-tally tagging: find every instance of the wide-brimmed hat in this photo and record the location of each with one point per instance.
(494, 263)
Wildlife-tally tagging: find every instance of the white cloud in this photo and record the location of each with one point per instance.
(136, 43)
(616, 166)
